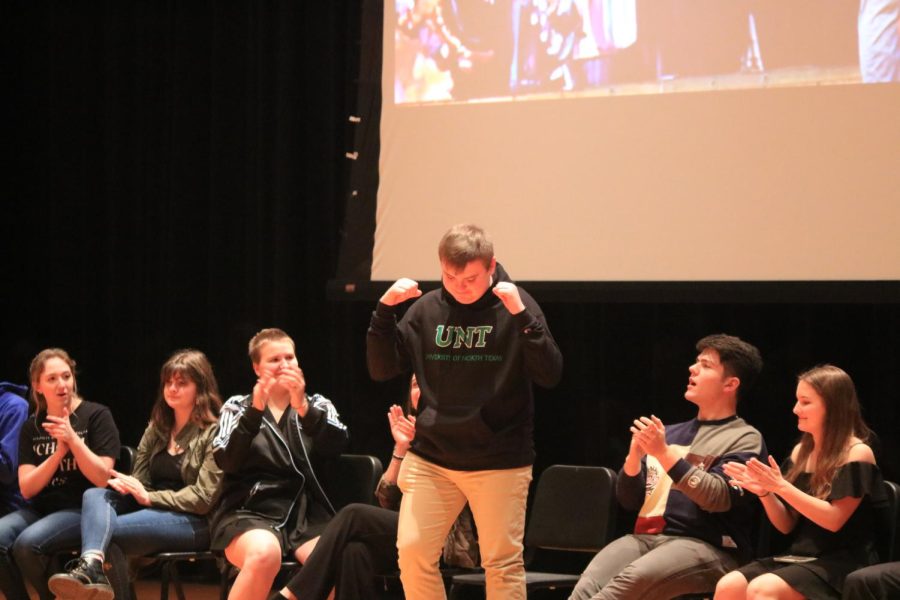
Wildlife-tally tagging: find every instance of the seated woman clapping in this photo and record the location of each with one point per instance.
(827, 495)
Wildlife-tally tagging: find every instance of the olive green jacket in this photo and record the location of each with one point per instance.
(201, 474)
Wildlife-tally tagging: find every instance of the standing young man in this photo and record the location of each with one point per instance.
(476, 346)
(692, 526)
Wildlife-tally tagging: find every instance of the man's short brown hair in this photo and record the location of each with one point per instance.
(266, 335)
(464, 243)
(739, 358)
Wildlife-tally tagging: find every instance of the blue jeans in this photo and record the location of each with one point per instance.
(109, 519)
(27, 541)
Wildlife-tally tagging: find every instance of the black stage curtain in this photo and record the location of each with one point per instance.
(177, 179)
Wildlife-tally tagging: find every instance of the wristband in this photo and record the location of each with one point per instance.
(400, 458)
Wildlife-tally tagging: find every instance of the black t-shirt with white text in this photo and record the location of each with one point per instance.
(94, 424)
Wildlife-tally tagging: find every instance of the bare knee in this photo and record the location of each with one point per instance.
(302, 553)
(732, 586)
(256, 554)
(262, 560)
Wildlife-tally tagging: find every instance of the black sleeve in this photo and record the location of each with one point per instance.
(102, 434)
(630, 491)
(238, 424)
(385, 356)
(27, 455)
(855, 480)
(323, 424)
(543, 360)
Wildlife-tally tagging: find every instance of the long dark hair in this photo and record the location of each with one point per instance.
(193, 365)
(843, 420)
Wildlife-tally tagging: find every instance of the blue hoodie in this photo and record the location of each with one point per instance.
(13, 412)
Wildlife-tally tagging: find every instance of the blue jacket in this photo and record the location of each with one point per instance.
(13, 412)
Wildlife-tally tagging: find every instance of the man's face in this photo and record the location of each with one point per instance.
(707, 381)
(470, 283)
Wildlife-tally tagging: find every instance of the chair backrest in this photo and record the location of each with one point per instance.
(574, 508)
(352, 478)
(889, 537)
(125, 464)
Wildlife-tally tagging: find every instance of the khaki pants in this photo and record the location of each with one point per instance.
(432, 499)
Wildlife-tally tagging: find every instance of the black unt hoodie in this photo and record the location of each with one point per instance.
(475, 365)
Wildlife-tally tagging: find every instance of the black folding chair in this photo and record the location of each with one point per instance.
(574, 510)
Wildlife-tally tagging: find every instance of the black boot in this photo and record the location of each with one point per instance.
(84, 579)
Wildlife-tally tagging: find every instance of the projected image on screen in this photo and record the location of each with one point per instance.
(495, 50)
(560, 127)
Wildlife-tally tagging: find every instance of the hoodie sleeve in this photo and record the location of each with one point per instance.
(11, 418)
(543, 360)
(385, 356)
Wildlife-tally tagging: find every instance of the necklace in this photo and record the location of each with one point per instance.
(174, 447)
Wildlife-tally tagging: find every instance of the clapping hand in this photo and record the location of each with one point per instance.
(649, 434)
(755, 476)
(403, 428)
(262, 389)
(291, 378)
(60, 429)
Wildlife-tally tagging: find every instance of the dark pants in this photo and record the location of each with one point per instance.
(878, 582)
(358, 543)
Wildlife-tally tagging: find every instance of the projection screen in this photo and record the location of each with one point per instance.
(659, 140)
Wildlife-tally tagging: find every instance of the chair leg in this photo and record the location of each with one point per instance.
(179, 591)
(169, 576)
(164, 581)
(174, 578)
(225, 574)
